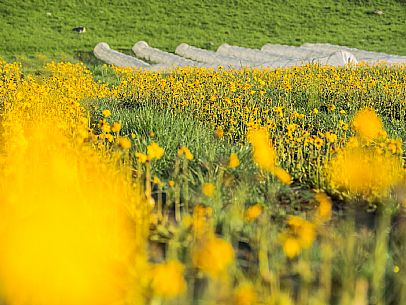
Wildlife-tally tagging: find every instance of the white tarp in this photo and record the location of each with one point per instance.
(286, 56)
(340, 58)
(142, 50)
(253, 55)
(103, 52)
(294, 52)
(270, 56)
(211, 57)
(361, 55)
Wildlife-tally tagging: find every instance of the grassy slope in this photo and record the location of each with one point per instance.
(32, 27)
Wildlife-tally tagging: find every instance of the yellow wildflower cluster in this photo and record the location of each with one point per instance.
(66, 237)
(208, 189)
(167, 279)
(300, 235)
(65, 186)
(292, 104)
(369, 165)
(233, 161)
(253, 212)
(368, 125)
(154, 151)
(184, 151)
(213, 255)
(265, 156)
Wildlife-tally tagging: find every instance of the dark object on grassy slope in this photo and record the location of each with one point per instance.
(79, 29)
(375, 12)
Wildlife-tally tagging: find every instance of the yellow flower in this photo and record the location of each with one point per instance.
(263, 152)
(245, 294)
(154, 151)
(253, 212)
(331, 107)
(331, 137)
(212, 256)
(367, 124)
(184, 151)
(315, 111)
(318, 142)
(283, 176)
(278, 110)
(167, 279)
(152, 134)
(171, 183)
(105, 126)
(201, 220)
(233, 162)
(291, 247)
(303, 230)
(156, 180)
(343, 125)
(109, 137)
(219, 133)
(116, 127)
(106, 113)
(395, 146)
(141, 158)
(124, 142)
(208, 189)
(324, 210)
(364, 172)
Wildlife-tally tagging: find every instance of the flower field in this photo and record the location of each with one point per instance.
(203, 186)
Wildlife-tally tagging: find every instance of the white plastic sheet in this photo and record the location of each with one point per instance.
(361, 55)
(211, 57)
(294, 52)
(253, 55)
(142, 50)
(103, 52)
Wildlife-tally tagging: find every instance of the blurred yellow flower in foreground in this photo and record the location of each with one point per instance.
(324, 210)
(299, 236)
(367, 124)
(154, 151)
(291, 247)
(253, 212)
(208, 189)
(283, 175)
(167, 279)
(76, 223)
(245, 294)
(303, 230)
(263, 151)
(364, 172)
(212, 256)
(201, 220)
(264, 154)
(66, 239)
